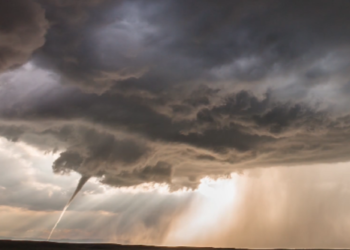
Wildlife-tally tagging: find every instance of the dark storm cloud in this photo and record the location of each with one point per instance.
(22, 30)
(136, 115)
(155, 45)
(166, 89)
(160, 173)
(98, 133)
(273, 118)
(69, 49)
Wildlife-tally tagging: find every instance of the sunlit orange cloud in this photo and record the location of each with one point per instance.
(273, 207)
(19, 223)
(260, 207)
(23, 223)
(210, 212)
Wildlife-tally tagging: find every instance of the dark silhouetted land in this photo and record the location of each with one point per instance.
(44, 245)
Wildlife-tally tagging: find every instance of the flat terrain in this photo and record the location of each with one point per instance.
(44, 245)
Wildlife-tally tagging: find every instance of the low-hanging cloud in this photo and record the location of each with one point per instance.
(172, 91)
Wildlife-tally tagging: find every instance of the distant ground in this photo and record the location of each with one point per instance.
(44, 245)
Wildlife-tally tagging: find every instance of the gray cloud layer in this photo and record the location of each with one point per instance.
(171, 91)
(22, 30)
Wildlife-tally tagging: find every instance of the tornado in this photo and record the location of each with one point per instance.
(81, 183)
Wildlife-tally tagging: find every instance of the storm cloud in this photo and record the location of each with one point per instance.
(22, 29)
(191, 120)
(172, 91)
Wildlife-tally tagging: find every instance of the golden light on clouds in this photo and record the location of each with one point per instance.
(202, 123)
(214, 202)
(269, 207)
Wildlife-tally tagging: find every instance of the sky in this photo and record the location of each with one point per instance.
(201, 123)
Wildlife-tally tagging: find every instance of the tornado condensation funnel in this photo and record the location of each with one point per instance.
(81, 183)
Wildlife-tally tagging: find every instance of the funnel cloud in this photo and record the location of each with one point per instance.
(81, 183)
(157, 97)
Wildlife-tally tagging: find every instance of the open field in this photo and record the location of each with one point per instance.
(44, 245)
